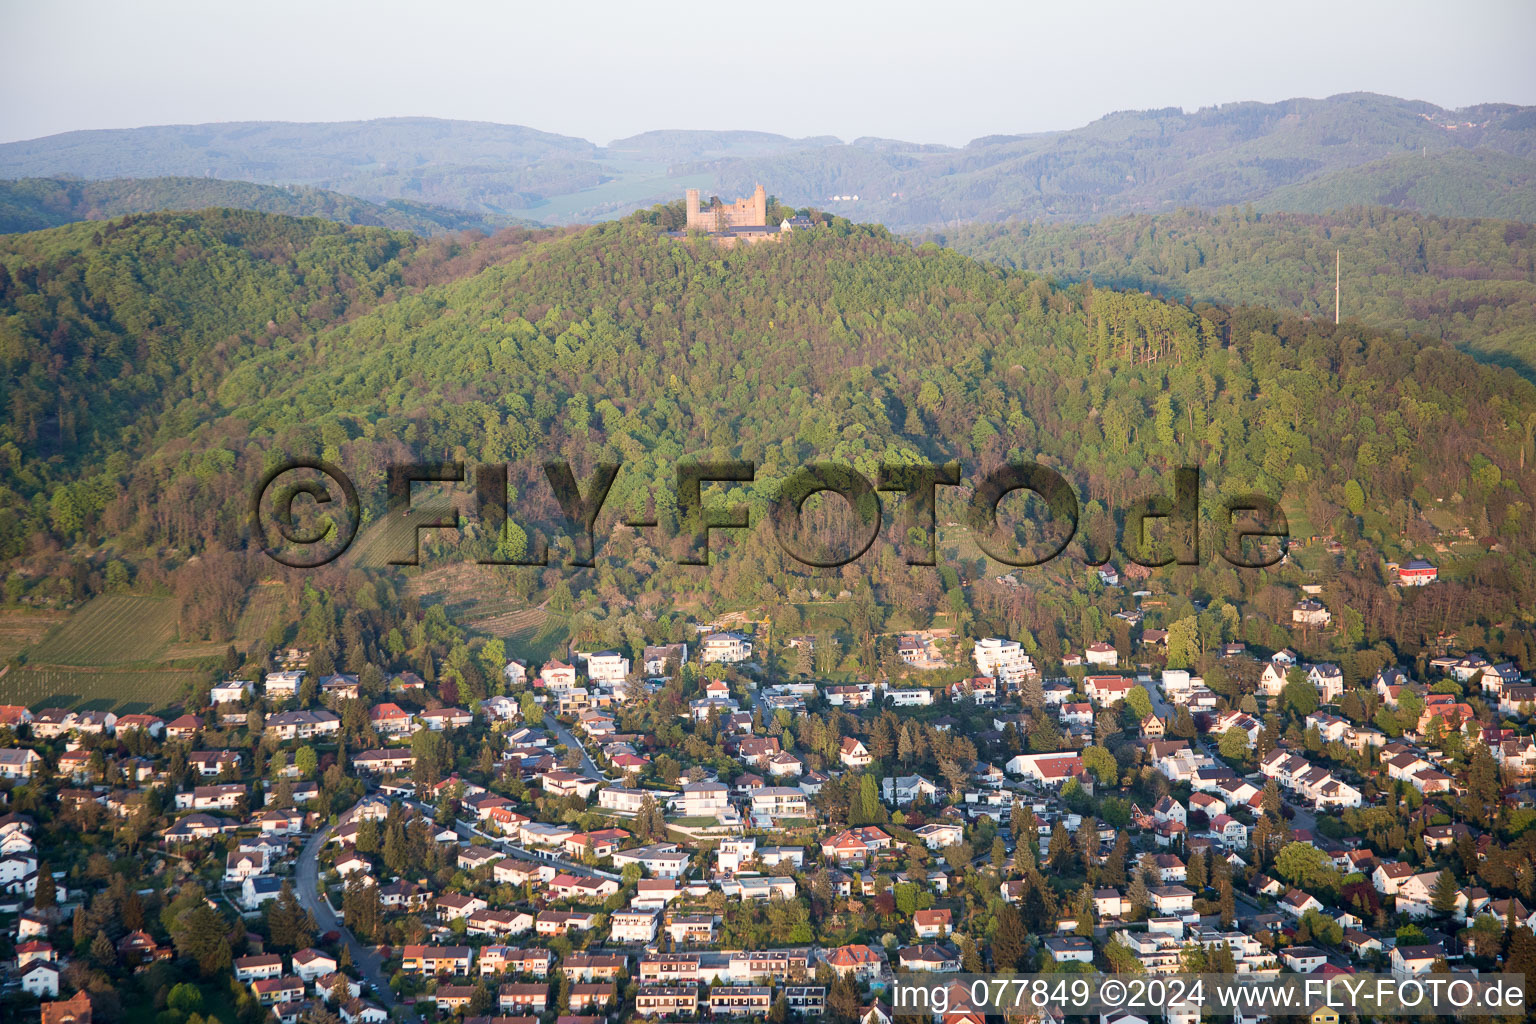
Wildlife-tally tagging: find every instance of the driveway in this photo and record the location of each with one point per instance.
(1160, 707)
(1305, 817)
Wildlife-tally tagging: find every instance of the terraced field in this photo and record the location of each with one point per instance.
(479, 597)
(517, 622)
(542, 639)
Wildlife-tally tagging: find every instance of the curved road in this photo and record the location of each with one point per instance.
(307, 879)
(564, 735)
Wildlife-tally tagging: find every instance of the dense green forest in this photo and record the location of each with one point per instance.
(619, 343)
(1306, 154)
(35, 203)
(1470, 282)
(1458, 183)
(113, 334)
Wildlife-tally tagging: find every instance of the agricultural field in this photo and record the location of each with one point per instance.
(195, 650)
(540, 639)
(263, 608)
(21, 629)
(391, 536)
(517, 622)
(111, 654)
(114, 629)
(125, 691)
(481, 598)
(456, 585)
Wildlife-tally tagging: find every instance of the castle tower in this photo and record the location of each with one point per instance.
(693, 209)
(759, 207)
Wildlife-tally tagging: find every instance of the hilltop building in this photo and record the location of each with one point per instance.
(745, 220)
(743, 213)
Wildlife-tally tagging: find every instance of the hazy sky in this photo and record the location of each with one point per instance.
(939, 71)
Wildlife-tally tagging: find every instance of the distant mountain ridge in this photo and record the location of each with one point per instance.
(1359, 147)
(32, 204)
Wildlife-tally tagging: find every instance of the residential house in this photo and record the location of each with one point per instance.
(854, 754)
(907, 789)
(436, 960)
(725, 648)
(1107, 690)
(931, 924)
(1310, 613)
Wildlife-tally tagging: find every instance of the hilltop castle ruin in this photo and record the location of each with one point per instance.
(745, 220)
(743, 213)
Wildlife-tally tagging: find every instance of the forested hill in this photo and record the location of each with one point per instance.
(1456, 183)
(1304, 154)
(113, 334)
(35, 203)
(619, 343)
(1471, 282)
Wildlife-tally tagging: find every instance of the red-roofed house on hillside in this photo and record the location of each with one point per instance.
(148, 723)
(854, 754)
(855, 844)
(1051, 769)
(390, 720)
(1436, 705)
(1107, 690)
(184, 728)
(859, 961)
(931, 924)
(74, 1010)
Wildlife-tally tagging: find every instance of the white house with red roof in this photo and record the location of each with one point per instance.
(1102, 654)
(1107, 690)
(135, 723)
(557, 675)
(855, 844)
(1051, 769)
(390, 719)
(185, 727)
(861, 962)
(854, 753)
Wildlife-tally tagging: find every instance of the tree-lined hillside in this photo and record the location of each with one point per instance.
(1457, 183)
(113, 335)
(1470, 282)
(619, 343)
(471, 165)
